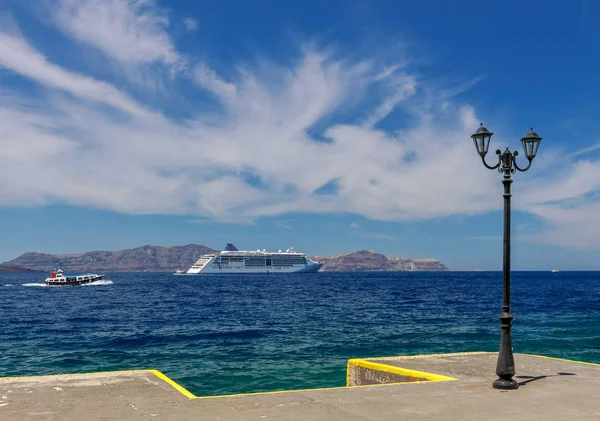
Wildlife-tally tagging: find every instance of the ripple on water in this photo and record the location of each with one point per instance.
(219, 335)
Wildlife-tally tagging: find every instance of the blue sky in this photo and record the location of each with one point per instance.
(331, 126)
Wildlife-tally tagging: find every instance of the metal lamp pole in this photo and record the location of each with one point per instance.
(507, 165)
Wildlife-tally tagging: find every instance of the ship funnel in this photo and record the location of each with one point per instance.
(230, 247)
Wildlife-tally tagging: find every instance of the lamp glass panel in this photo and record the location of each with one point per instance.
(525, 148)
(535, 147)
(476, 144)
(481, 141)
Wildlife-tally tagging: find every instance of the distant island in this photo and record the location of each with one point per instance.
(140, 259)
(14, 269)
(370, 261)
(165, 259)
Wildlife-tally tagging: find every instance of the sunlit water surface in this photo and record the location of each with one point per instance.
(231, 334)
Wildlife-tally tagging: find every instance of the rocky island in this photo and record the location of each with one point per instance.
(370, 261)
(140, 259)
(149, 258)
(14, 269)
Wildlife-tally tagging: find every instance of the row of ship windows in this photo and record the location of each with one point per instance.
(249, 265)
(263, 263)
(301, 260)
(241, 259)
(253, 261)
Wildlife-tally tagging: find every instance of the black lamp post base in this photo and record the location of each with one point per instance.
(505, 384)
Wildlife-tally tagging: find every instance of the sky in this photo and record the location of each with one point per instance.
(332, 126)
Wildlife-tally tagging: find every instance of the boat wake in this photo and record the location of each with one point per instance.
(97, 283)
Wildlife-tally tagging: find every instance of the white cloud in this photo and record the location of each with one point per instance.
(401, 88)
(274, 136)
(574, 227)
(128, 30)
(164, 166)
(209, 80)
(566, 202)
(17, 55)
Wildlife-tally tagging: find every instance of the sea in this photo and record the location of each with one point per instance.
(224, 334)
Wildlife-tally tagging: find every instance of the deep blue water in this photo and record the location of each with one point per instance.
(222, 334)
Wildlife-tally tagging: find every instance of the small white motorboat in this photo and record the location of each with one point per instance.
(59, 278)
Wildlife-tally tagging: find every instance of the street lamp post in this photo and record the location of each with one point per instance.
(507, 165)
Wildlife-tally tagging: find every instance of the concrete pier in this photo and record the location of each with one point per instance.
(431, 387)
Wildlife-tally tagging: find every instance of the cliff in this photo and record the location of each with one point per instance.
(14, 269)
(141, 259)
(366, 260)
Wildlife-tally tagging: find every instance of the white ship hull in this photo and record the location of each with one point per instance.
(273, 269)
(233, 261)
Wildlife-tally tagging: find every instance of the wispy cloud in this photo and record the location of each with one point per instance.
(190, 24)
(401, 87)
(285, 223)
(128, 30)
(586, 150)
(17, 55)
(209, 80)
(256, 151)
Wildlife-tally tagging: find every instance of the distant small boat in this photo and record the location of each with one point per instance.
(555, 271)
(179, 272)
(59, 278)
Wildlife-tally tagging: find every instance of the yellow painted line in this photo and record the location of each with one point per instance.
(405, 372)
(562, 359)
(407, 357)
(348, 373)
(157, 373)
(429, 377)
(175, 385)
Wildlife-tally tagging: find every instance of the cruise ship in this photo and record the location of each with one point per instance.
(231, 260)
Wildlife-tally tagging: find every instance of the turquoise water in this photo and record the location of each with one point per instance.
(222, 334)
